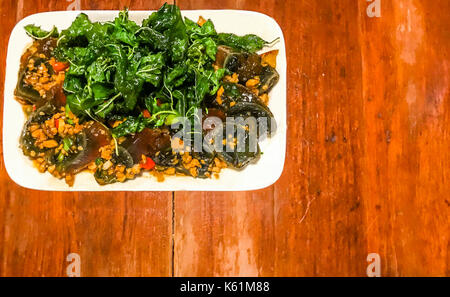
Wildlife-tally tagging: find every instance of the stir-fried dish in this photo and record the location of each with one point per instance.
(118, 98)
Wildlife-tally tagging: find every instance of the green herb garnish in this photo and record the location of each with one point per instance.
(67, 143)
(37, 33)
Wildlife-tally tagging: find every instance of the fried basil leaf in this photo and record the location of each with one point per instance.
(37, 33)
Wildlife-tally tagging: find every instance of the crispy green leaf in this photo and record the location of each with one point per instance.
(37, 33)
(150, 68)
(130, 126)
(249, 43)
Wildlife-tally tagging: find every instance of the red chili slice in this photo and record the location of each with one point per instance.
(146, 113)
(60, 66)
(149, 164)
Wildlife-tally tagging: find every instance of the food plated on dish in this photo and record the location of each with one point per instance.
(118, 99)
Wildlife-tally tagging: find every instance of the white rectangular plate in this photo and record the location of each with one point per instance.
(256, 176)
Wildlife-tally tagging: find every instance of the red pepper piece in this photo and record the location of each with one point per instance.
(149, 164)
(60, 66)
(146, 113)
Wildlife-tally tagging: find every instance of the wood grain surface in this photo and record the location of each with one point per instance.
(367, 164)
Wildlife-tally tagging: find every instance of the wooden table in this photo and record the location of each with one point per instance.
(367, 167)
